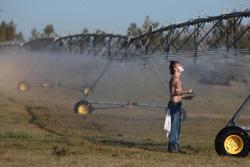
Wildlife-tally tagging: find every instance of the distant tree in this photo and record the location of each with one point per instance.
(2, 31)
(149, 25)
(85, 31)
(19, 36)
(34, 34)
(99, 31)
(100, 39)
(133, 30)
(49, 30)
(3, 24)
(10, 31)
(7, 31)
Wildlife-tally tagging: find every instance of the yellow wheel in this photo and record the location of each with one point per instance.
(233, 144)
(232, 141)
(83, 107)
(23, 86)
(83, 110)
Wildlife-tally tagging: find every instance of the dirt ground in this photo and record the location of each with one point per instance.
(39, 128)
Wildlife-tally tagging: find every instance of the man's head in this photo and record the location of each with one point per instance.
(175, 67)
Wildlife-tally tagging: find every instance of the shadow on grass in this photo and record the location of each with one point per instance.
(147, 144)
(144, 144)
(34, 118)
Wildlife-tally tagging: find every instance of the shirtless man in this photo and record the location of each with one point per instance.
(176, 96)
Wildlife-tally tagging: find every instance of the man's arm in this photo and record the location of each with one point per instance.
(180, 93)
(189, 91)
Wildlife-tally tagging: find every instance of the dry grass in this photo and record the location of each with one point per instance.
(106, 138)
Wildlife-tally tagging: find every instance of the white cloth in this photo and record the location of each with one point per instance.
(167, 124)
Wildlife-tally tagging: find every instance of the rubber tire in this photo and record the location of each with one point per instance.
(232, 130)
(83, 102)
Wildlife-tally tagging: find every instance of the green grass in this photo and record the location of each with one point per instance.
(15, 135)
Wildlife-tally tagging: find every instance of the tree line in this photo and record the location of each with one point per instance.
(8, 32)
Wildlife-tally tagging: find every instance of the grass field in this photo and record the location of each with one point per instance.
(38, 128)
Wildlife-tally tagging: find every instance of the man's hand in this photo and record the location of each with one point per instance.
(190, 96)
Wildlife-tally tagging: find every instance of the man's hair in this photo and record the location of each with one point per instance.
(172, 65)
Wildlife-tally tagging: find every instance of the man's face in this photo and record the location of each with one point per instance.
(179, 68)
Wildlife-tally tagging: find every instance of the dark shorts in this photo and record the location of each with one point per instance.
(174, 104)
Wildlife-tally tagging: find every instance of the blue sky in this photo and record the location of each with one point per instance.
(71, 16)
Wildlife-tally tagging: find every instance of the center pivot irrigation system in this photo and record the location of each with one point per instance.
(188, 38)
(225, 33)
